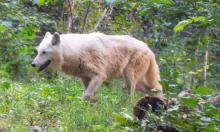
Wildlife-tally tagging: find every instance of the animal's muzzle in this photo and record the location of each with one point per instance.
(44, 66)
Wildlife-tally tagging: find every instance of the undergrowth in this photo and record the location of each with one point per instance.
(55, 105)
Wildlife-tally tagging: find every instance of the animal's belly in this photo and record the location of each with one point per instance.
(116, 68)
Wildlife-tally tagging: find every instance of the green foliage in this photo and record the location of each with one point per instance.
(18, 34)
(56, 105)
(190, 102)
(123, 119)
(40, 2)
(179, 32)
(201, 90)
(182, 24)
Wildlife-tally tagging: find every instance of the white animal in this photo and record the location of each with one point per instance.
(96, 57)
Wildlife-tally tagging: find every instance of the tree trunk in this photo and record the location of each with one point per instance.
(70, 18)
(86, 16)
(205, 66)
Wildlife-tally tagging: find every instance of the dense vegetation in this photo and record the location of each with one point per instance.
(184, 35)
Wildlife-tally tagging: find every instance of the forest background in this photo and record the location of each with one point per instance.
(184, 35)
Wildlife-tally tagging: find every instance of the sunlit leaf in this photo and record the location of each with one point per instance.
(40, 2)
(165, 2)
(192, 73)
(200, 90)
(182, 24)
(206, 67)
(190, 102)
(205, 119)
(97, 127)
(3, 28)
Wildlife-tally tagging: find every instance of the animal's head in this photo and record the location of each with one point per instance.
(48, 52)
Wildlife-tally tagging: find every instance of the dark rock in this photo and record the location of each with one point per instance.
(145, 104)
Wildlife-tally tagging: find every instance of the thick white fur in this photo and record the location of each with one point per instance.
(96, 57)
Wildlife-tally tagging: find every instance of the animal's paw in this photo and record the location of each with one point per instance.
(90, 98)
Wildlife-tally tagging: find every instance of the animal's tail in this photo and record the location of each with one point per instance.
(153, 77)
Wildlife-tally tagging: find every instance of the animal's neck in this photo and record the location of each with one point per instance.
(70, 66)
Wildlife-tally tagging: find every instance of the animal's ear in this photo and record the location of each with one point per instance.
(56, 38)
(47, 34)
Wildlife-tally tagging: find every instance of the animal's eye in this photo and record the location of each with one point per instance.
(44, 52)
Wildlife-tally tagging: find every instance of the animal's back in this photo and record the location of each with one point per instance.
(109, 53)
(121, 40)
(122, 50)
(100, 40)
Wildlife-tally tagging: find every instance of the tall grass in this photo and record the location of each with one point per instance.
(55, 105)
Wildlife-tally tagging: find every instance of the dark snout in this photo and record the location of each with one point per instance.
(32, 64)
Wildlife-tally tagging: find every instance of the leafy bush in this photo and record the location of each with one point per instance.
(181, 34)
(19, 25)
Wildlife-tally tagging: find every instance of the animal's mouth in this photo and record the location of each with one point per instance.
(44, 66)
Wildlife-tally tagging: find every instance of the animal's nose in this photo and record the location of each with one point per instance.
(32, 64)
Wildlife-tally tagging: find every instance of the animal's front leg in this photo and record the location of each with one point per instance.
(86, 82)
(94, 83)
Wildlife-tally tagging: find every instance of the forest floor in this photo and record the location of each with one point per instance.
(56, 105)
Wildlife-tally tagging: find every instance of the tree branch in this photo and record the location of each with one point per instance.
(86, 17)
(70, 24)
(105, 13)
(205, 64)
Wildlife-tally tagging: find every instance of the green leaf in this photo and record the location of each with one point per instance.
(164, 2)
(200, 90)
(205, 119)
(97, 127)
(215, 112)
(206, 67)
(3, 28)
(124, 119)
(192, 73)
(190, 102)
(6, 85)
(40, 2)
(198, 19)
(182, 24)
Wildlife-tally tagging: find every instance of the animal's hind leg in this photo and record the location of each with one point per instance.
(145, 87)
(141, 86)
(135, 72)
(131, 82)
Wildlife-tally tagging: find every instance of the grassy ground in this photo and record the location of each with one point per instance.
(55, 105)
